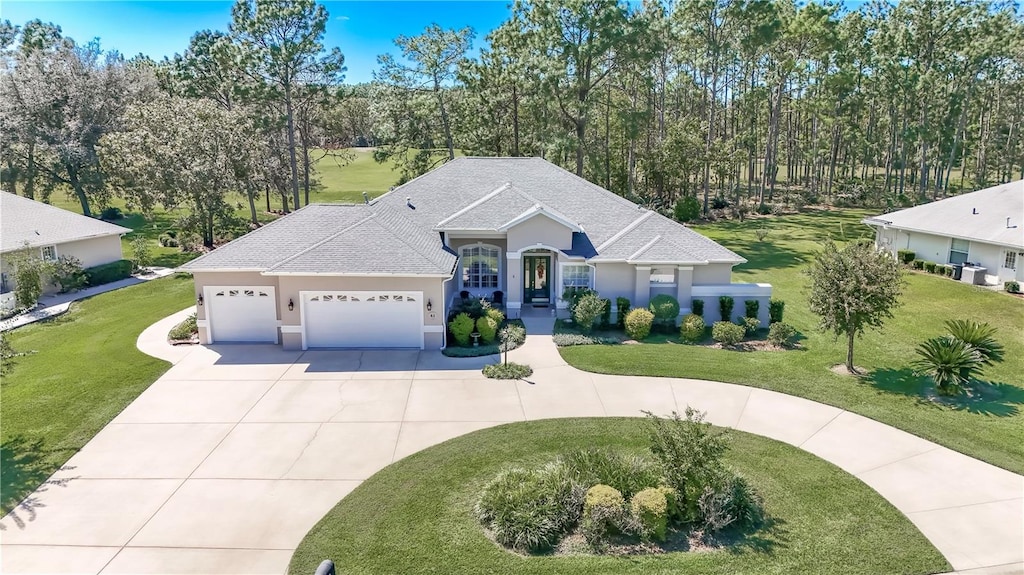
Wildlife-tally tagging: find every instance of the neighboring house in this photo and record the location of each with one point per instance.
(385, 273)
(985, 227)
(53, 232)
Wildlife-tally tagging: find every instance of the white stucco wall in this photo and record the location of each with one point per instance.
(712, 274)
(539, 229)
(93, 251)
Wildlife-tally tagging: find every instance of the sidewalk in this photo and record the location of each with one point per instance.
(56, 304)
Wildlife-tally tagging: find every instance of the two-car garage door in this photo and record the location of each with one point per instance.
(363, 319)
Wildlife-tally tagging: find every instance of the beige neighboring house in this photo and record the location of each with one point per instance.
(53, 232)
(984, 229)
(518, 231)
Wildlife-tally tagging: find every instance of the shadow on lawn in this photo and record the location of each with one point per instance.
(984, 397)
(26, 466)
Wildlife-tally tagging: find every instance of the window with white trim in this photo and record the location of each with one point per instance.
(958, 250)
(1010, 262)
(480, 267)
(576, 276)
(49, 253)
(663, 276)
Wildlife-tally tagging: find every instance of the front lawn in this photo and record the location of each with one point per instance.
(989, 427)
(83, 370)
(416, 516)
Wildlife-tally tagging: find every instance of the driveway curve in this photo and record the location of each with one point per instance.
(227, 460)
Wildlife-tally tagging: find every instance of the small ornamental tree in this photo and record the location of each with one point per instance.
(29, 269)
(854, 289)
(142, 256)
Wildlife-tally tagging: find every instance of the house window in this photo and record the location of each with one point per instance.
(1010, 262)
(958, 251)
(663, 277)
(479, 267)
(576, 276)
(49, 253)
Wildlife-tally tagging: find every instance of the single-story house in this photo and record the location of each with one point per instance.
(384, 273)
(54, 232)
(985, 228)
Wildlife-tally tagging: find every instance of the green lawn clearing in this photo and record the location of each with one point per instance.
(82, 370)
(416, 516)
(989, 426)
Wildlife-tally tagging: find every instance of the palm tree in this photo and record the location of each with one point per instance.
(949, 362)
(980, 336)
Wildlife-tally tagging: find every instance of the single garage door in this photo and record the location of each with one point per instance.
(363, 319)
(242, 313)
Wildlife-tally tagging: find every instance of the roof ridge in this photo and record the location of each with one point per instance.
(471, 205)
(645, 247)
(621, 233)
(424, 174)
(401, 236)
(317, 244)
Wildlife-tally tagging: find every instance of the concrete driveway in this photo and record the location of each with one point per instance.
(225, 463)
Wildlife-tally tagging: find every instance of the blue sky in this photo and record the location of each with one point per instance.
(361, 28)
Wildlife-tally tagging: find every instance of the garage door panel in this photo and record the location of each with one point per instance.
(363, 319)
(242, 313)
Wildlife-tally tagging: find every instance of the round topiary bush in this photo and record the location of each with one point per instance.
(781, 334)
(727, 333)
(664, 307)
(650, 512)
(602, 513)
(588, 309)
(638, 323)
(461, 327)
(692, 329)
(487, 328)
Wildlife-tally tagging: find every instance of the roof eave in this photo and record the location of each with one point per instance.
(356, 274)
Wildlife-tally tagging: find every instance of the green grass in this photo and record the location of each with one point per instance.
(989, 427)
(415, 516)
(83, 370)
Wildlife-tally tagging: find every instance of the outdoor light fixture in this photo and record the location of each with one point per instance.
(430, 306)
(199, 300)
(291, 305)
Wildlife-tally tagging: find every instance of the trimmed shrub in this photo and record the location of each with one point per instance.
(752, 307)
(628, 474)
(687, 209)
(1012, 287)
(606, 315)
(776, 307)
(573, 295)
(106, 273)
(487, 328)
(649, 509)
(588, 309)
(725, 304)
(495, 314)
(571, 339)
(729, 501)
(917, 264)
(507, 371)
(603, 509)
(697, 307)
(692, 329)
(929, 267)
(623, 306)
(750, 325)
(671, 501)
(781, 334)
(530, 510)
(727, 333)
(184, 330)
(905, 256)
(665, 308)
(638, 323)
(511, 336)
(461, 328)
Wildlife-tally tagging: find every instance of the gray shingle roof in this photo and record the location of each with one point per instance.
(980, 216)
(24, 220)
(402, 228)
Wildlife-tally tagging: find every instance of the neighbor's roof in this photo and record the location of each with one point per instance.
(23, 220)
(400, 232)
(994, 215)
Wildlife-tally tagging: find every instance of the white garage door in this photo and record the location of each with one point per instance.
(363, 319)
(241, 313)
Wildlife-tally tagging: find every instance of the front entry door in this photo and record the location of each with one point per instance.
(536, 272)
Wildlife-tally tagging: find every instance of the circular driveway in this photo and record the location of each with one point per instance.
(227, 460)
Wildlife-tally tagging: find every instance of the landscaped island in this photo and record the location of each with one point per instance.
(419, 514)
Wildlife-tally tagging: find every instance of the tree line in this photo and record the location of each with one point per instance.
(748, 102)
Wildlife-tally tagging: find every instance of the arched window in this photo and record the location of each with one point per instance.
(480, 267)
